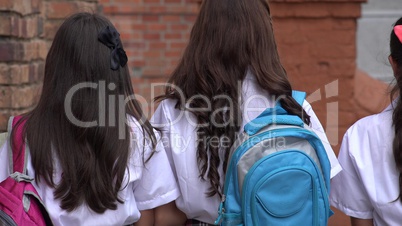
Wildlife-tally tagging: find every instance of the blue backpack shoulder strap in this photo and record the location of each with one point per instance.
(299, 96)
(276, 115)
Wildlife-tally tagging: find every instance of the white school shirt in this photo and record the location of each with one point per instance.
(179, 138)
(368, 185)
(148, 186)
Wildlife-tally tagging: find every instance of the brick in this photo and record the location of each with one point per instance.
(178, 45)
(152, 36)
(4, 74)
(150, 18)
(24, 27)
(41, 71)
(42, 50)
(172, 36)
(131, 9)
(155, 63)
(157, 9)
(128, 1)
(110, 9)
(152, 54)
(24, 97)
(171, 18)
(179, 27)
(7, 51)
(19, 74)
(5, 97)
(135, 45)
(140, 27)
(332, 51)
(60, 10)
(50, 29)
(173, 53)
(5, 24)
(31, 27)
(315, 10)
(22, 7)
(6, 5)
(139, 63)
(151, 72)
(156, 27)
(190, 18)
(157, 45)
(36, 6)
(29, 51)
(15, 26)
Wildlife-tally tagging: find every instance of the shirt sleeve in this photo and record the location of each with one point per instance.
(348, 193)
(156, 185)
(319, 130)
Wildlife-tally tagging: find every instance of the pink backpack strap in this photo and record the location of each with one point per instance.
(17, 152)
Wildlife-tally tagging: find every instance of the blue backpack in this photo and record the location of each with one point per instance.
(278, 174)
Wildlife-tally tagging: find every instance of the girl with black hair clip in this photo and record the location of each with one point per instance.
(229, 73)
(95, 157)
(369, 189)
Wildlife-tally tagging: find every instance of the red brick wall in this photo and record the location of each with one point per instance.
(154, 34)
(21, 56)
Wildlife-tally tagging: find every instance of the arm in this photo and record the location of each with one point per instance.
(349, 192)
(361, 222)
(169, 215)
(146, 219)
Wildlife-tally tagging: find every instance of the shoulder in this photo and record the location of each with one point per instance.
(369, 138)
(167, 114)
(376, 125)
(168, 105)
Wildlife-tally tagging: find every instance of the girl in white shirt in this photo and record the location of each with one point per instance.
(230, 72)
(370, 186)
(94, 160)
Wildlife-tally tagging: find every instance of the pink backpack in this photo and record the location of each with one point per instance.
(20, 203)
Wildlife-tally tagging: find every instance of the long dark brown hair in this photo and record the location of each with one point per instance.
(396, 54)
(228, 38)
(93, 159)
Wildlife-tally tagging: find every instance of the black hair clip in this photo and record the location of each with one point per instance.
(111, 38)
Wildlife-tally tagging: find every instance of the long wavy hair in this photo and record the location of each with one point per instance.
(228, 38)
(92, 159)
(396, 54)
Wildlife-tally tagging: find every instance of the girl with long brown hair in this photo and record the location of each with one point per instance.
(369, 189)
(94, 156)
(229, 73)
